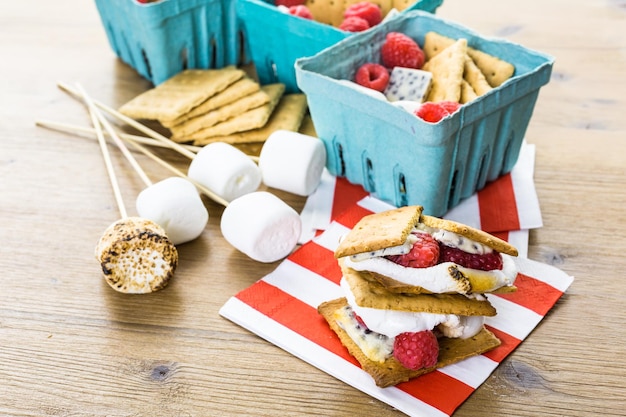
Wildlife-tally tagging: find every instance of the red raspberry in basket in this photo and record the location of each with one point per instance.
(373, 76)
(449, 106)
(301, 11)
(424, 253)
(416, 350)
(484, 262)
(434, 112)
(365, 10)
(354, 24)
(399, 50)
(289, 3)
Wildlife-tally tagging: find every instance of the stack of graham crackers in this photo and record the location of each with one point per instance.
(201, 106)
(461, 73)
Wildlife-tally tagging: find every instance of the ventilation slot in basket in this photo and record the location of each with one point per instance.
(242, 58)
(342, 162)
(184, 58)
(481, 173)
(370, 184)
(147, 62)
(403, 199)
(213, 49)
(453, 187)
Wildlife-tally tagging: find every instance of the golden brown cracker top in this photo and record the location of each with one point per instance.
(476, 235)
(447, 68)
(180, 93)
(391, 372)
(495, 70)
(380, 230)
(374, 295)
(237, 90)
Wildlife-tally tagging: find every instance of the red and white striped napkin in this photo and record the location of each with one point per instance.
(282, 308)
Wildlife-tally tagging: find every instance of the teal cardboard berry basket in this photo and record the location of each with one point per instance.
(401, 158)
(276, 39)
(161, 39)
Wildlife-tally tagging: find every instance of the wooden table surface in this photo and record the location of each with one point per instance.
(71, 346)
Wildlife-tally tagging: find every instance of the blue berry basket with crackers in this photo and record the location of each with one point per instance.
(275, 39)
(396, 155)
(160, 39)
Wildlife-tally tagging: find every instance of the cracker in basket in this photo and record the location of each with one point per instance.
(467, 92)
(247, 120)
(391, 372)
(475, 77)
(331, 12)
(222, 114)
(288, 115)
(233, 92)
(495, 70)
(447, 68)
(180, 93)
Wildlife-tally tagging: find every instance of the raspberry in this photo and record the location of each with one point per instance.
(289, 3)
(434, 112)
(301, 11)
(360, 321)
(484, 262)
(365, 10)
(424, 253)
(373, 76)
(399, 50)
(449, 106)
(354, 24)
(416, 350)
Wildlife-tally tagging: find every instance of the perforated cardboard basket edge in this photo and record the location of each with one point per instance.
(161, 39)
(276, 39)
(399, 157)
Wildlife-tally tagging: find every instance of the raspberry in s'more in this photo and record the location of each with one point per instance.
(426, 308)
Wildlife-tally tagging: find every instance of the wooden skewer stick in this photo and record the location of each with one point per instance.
(204, 190)
(142, 128)
(105, 154)
(131, 139)
(71, 128)
(122, 146)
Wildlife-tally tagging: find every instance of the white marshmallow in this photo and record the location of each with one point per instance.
(364, 90)
(262, 226)
(225, 170)
(407, 105)
(292, 162)
(175, 205)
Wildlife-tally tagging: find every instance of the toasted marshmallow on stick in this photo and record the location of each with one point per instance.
(136, 256)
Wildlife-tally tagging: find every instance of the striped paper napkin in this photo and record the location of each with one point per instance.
(282, 308)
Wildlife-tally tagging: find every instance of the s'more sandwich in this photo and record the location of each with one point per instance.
(414, 292)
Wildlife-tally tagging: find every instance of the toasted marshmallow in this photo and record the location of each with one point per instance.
(175, 205)
(136, 256)
(262, 226)
(292, 162)
(225, 170)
